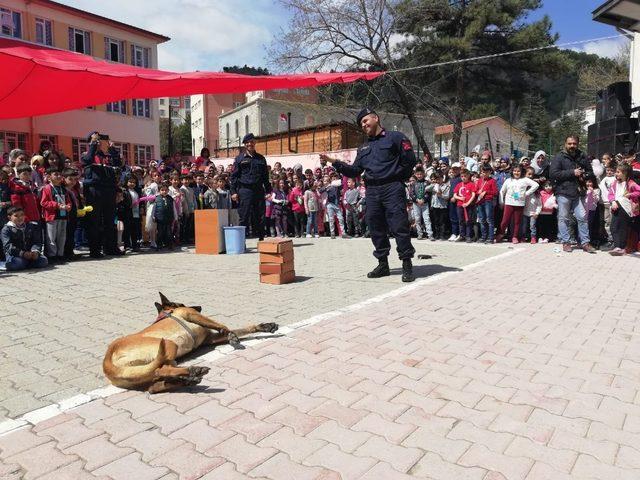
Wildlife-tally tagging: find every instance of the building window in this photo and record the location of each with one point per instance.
(79, 41)
(80, 147)
(11, 140)
(187, 103)
(44, 32)
(498, 146)
(163, 113)
(141, 108)
(227, 131)
(162, 101)
(123, 150)
(302, 91)
(140, 56)
(237, 129)
(237, 104)
(246, 124)
(11, 23)
(52, 139)
(143, 154)
(174, 101)
(114, 50)
(117, 107)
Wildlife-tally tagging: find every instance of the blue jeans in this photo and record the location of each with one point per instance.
(18, 263)
(528, 227)
(453, 218)
(566, 208)
(487, 220)
(312, 225)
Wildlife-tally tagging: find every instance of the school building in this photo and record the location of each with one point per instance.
(132, 124)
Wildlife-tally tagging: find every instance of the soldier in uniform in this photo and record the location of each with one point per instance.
(249, 184)
(386, 161)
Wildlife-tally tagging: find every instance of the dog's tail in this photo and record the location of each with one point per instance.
(132, 376)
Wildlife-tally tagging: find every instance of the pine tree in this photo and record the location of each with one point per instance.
(443, 30)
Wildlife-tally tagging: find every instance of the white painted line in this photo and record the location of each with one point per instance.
(36, 416)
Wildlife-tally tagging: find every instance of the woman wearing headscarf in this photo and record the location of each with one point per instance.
(540, 164)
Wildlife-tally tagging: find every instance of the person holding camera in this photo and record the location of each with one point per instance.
(568, 170)
(100, 181)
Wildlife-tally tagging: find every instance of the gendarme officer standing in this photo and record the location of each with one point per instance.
(387, 160)
(249, 184)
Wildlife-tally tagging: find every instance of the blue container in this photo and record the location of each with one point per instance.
(234, 240)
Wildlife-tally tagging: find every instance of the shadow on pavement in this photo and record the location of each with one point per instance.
(422, 271)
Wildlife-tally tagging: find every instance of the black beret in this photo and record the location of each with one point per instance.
(363, 113)
(248, 137)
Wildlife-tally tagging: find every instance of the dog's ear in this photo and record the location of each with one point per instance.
(197, 309)
(164, 300)
(158, 306)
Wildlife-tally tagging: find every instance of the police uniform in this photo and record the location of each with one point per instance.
(250, 181)
(99, 186)
(385, 162)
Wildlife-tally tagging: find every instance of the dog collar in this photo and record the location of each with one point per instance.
(181, 322)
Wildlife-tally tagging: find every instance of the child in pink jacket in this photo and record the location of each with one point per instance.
(296, 200)
(624, 196)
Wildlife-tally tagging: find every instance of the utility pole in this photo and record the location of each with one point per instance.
(170, 144)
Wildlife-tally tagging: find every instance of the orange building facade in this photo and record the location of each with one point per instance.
(133, 125)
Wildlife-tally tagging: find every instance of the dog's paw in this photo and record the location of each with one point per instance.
(268, 327)
(234, 341)
(198, 371)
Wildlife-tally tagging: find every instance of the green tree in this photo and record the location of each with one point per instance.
(481, 110)
(534, 120)
(246, 70)
(180, 137)
(570, 124)
(445, 30)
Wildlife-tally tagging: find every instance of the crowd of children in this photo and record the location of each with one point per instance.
(477, 199)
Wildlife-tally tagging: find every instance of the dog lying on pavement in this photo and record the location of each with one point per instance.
(147, 360)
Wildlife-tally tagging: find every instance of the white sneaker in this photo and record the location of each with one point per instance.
(317, 236)
(453, 238)
(309, 235)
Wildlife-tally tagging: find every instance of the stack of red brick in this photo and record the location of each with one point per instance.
(276, 261)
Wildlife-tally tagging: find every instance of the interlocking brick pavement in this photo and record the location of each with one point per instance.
(522, 368)
(54, 337)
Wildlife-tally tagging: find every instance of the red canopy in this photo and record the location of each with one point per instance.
(38, 80)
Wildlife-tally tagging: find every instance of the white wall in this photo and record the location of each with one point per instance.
(264, 119)
(198, 123)
(634, 70)
(478, 136)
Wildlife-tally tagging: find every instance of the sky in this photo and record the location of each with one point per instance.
(209, 34)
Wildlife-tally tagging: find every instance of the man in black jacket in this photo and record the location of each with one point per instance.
(100, 183)
(568, 170)
(249, 184)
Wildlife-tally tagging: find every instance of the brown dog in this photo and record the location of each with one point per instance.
(147, 360)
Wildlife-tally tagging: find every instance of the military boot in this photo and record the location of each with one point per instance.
(407, 271)
(382, 270)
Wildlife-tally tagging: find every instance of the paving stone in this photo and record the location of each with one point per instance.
(202, 435)
(301, 423)
(98, 451)
(188, 463)
(151, 443)
(392, 432)
(130, 467)
(295, 446)
(280, 467)
(510, 467)
(244, 455)
(348, 466)
(40, 460)
(431, 465)
(344, 438)
(400, 458)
